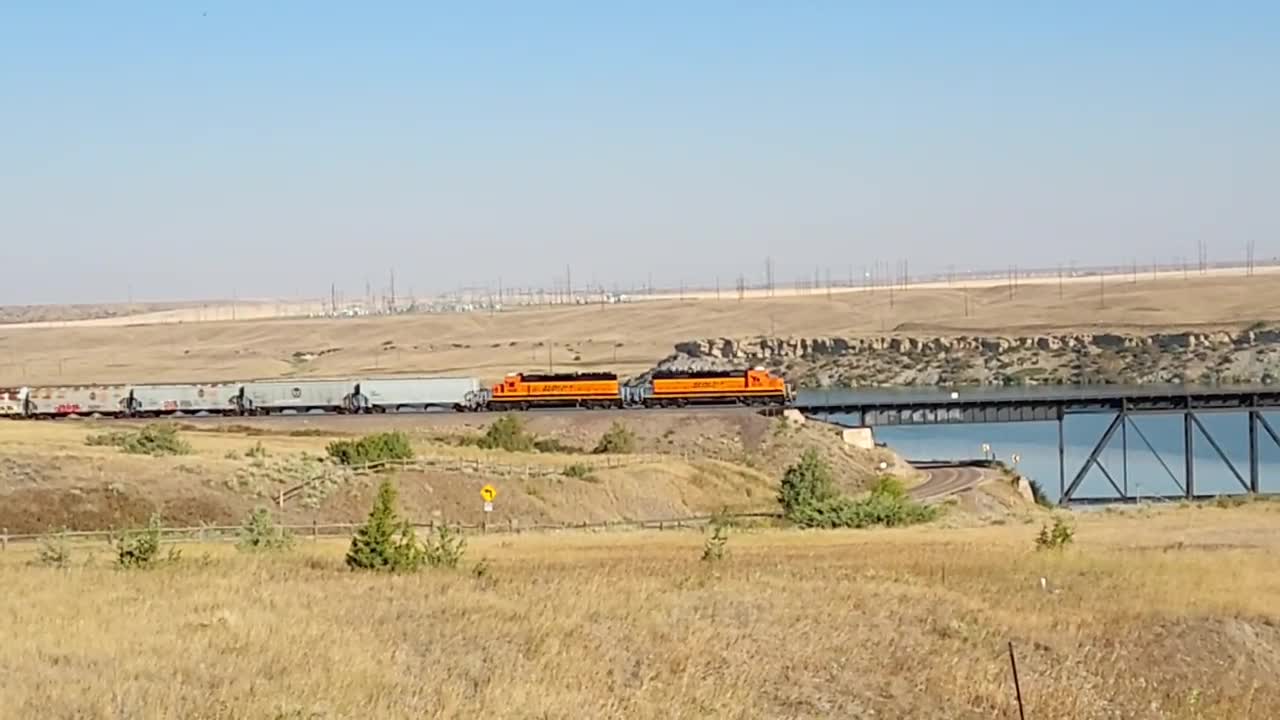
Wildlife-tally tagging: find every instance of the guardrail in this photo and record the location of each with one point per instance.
(317, 530)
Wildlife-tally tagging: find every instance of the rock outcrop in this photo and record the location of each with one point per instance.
(1251, 356)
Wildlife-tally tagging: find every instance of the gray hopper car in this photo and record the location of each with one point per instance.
(299, 396)
(220, 398)
(395, 394)
(78, 400)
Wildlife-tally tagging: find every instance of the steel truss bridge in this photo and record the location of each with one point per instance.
(1123, 405)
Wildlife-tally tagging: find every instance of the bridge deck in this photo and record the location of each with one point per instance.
(984, 407)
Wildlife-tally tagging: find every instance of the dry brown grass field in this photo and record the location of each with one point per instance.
(1151, 614)
(627, 337)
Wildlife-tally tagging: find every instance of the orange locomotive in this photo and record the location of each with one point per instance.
(521, 391)
(751, 387)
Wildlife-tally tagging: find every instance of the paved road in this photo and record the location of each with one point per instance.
(945, 481)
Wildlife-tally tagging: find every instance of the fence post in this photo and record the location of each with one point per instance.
(315, 530)
(4, 538)
(281, 499)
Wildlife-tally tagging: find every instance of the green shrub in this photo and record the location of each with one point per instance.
(577, 471)
(385, 542)
(154, 439)
(445, 549)
(809, 499)
(257, 451)
(54, 551)
(617, 440)
(805, 485)
(260, 533)
(507, 433)
(141, 548)
(379, 447)
(714, 549)
(1057, 537)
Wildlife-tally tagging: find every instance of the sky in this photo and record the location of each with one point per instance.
(177, 150)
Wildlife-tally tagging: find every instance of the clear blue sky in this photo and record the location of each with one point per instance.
(186, 149)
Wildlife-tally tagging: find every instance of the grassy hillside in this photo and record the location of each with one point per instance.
(681, 465)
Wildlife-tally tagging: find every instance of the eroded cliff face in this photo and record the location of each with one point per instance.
(1251, 356)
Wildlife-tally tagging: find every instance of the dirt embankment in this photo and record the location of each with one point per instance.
(682, 464)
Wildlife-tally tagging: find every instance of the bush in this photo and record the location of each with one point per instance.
(155, 439)
(1057, 537)
(805, 485)
(809, 499)
(507, 433)
(617, 440)
(141, 548)
(54, 551)
(257, 451)
(385, 542)
(578, 471)
(260, 533)
(379, 447)
(713, 550)
(445, 549)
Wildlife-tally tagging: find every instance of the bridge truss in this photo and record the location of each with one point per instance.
(1123, 407)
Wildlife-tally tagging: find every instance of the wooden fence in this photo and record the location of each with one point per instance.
(317, 530)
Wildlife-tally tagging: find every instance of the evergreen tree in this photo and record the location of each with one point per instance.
(385, 541)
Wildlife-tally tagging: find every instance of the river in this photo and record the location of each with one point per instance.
(1036, 443)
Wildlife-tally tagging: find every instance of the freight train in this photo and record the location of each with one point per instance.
(516, 391)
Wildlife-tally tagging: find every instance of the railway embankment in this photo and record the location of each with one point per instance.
(1213, 357)
(673, 464)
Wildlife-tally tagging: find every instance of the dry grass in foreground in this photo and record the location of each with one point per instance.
(1159, 615)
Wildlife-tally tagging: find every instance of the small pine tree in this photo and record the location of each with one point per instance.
(713, 550)
(1057, 537)
(54, 551)
(260, 533)
(385, 542)
(141, 548)
(445, 549)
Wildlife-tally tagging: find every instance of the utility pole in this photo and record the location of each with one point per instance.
(1102, 288)
(1059, 281)
(568, 283)
(393, 290)
(717, 288)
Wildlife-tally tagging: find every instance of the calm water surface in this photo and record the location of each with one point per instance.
(1037, 442)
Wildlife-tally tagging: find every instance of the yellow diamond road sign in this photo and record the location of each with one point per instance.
(488, 492)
